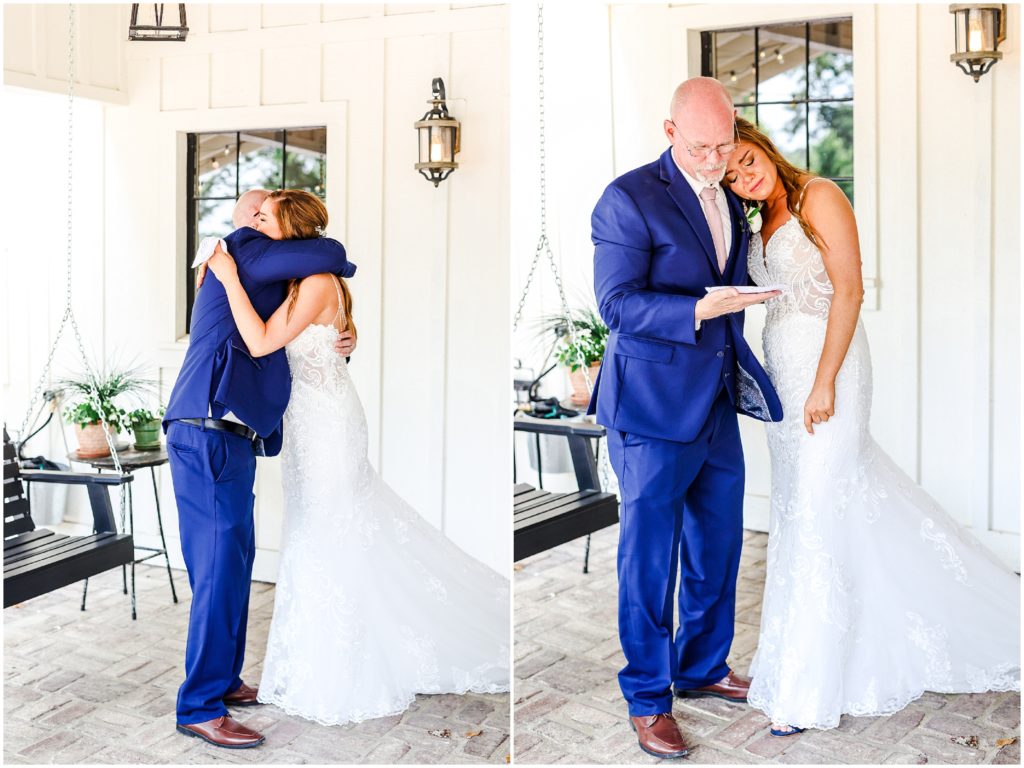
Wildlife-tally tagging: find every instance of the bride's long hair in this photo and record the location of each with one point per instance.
(788, 173)
(301, 216)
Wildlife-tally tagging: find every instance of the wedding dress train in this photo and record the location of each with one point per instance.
(873, 593)
(373, 603)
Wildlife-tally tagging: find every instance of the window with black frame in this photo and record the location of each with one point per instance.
(223, 165)
(794, 80)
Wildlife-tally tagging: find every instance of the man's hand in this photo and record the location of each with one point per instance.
(345, 344)
(727, 301)
(200, 275)
(222, 264)
(820, 405)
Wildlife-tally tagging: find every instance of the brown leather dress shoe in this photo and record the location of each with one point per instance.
(223, 731)
(732, 687)
(243, 696)
(659, 735)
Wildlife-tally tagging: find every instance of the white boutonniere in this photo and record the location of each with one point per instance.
(753, 214)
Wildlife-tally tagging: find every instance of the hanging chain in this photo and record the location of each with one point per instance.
(543, 243)
(68, 318)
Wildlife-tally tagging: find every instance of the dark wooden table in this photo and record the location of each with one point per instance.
(131, 461)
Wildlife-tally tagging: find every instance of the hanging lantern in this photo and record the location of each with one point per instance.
(158, 30)
(439, 136)
(980, 28)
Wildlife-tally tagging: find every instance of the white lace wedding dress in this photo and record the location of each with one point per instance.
(873, 593)
(373, 603)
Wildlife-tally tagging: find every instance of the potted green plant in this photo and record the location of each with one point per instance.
(93, 392)
(587, 350)
(145, 425)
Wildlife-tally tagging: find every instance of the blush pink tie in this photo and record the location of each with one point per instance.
(714, 217)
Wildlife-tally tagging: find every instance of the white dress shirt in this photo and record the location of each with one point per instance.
(723, 206)
(720, 201)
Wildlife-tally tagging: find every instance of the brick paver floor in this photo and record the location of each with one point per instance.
(96, 687)
(568, 708)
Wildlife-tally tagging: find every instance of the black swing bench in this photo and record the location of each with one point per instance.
(541, 519)
(38, 560)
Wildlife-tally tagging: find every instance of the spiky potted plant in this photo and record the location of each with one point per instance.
(95, 391)
(585, 351)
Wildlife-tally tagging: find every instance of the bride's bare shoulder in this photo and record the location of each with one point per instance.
(820, 195)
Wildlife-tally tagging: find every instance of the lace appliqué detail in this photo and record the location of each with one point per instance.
(867, 601)
(373, 604)
(947, 555)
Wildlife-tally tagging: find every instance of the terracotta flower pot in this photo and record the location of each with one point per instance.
(580, 395)
(91, 442)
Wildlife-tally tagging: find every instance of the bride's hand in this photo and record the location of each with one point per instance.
(820, 405)
(222, 264)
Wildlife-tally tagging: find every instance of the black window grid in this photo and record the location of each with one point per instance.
(707, 58)
(193, 199)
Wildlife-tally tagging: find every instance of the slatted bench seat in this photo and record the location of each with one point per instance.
(542, 519)
(38, 560)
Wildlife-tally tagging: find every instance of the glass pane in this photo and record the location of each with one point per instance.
(847, 187)
(734, 63)
(781, 59)
(214, 217)
(831, 65)
(424, 144)
(785, 125)
(749, 113)
(831, 133)
(306, 155)
(260, 160)
(215, 165)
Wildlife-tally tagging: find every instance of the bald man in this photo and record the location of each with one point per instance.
(225, 409)
(676, 371)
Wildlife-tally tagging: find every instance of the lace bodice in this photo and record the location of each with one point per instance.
(313, 360)
(795, 262)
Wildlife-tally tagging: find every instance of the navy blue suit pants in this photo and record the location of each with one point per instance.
(681, 513)
(213, 474)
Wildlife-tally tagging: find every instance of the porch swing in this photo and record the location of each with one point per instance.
(541, 519)
(38, 560)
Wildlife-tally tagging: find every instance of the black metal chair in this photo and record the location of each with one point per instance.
(541, 519)
(38, 560)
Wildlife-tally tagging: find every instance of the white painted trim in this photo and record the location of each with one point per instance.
(52, 85)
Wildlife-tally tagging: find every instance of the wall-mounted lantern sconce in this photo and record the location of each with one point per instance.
(439, 136)
(158, 30)
(980, 28)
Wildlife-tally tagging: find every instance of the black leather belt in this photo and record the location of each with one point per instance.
(224, 426)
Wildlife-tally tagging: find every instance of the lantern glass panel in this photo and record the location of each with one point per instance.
(436, 144)
(447, 144)
(976, 30)
(424, 136)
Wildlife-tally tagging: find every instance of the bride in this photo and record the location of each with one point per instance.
(373, 604)
(873, 593)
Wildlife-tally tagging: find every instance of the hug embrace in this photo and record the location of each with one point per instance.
(873, 594)
(373, 604)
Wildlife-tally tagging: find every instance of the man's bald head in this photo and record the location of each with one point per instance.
(248, 207)
(701, 115)
(703, 94)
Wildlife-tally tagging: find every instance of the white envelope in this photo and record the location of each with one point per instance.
(747, 288)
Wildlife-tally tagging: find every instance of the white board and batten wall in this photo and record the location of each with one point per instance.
(937, 175)
(431, 292)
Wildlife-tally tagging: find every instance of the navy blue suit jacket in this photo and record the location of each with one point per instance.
(219, 374)
(653, 258)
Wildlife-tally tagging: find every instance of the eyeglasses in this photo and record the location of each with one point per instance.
(701, 151)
